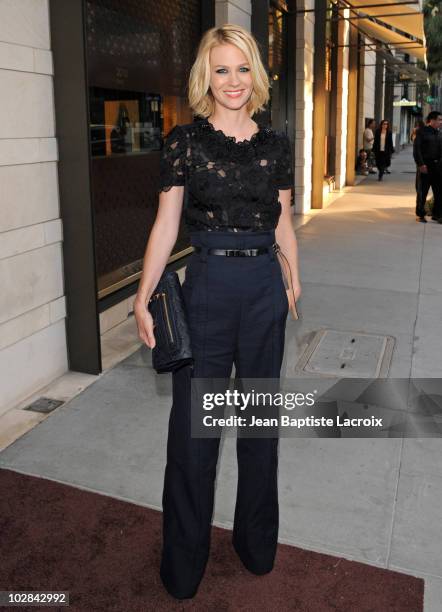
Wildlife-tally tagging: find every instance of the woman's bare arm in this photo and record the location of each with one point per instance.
(161, 241)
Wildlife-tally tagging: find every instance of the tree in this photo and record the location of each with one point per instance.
(433, 34)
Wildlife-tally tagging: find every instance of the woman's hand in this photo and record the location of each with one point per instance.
(296, 290)
(144, 322)
(293, 294)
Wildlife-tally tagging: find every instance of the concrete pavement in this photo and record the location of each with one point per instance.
(366, 265)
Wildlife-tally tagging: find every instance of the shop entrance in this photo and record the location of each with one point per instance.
(121, 71)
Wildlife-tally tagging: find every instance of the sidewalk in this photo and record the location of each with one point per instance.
(366, 265)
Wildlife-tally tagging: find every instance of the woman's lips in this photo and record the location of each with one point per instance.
(234, 94)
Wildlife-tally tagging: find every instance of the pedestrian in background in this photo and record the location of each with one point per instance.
(420, 206)
(368, 140)
(362, 163)
(427, 153)
(383, 148)
(420, 123)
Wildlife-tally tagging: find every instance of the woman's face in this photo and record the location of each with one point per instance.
(384, 125)
(230, 76)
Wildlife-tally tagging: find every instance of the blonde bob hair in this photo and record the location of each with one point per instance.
(200, 97)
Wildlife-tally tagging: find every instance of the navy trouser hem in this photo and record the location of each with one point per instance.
(179, 593)
(257, 565)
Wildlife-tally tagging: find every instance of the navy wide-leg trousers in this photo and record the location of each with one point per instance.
(237, 309)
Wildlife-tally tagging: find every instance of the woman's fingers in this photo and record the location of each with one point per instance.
(145, 324)
(149, 332)
(297, 291)
(148, 326)
(150, 338)
(290, 298)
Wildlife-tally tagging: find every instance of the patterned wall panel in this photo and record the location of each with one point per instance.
(145, 42)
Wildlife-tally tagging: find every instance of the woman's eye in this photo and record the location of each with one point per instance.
(223, 70)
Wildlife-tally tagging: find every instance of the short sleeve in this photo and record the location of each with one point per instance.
(173, 158)
(284, 178)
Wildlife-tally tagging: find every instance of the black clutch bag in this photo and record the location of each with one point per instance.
(172, 348)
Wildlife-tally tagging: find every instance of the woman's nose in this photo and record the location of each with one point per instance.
(234, 80)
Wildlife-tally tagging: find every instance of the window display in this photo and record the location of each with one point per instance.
(139, 53)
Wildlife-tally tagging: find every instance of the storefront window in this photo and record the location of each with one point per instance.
(139, 54)
(277, 60)
(124, 122)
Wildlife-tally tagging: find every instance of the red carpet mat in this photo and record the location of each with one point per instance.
(106, 553)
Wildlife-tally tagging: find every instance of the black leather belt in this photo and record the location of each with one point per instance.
(235, 252)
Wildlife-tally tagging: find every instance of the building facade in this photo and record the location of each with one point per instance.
(90, 87)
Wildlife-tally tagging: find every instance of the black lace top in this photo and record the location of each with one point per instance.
(231, 185)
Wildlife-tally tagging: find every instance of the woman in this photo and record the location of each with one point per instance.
(383, 148)
(368, 139)
(239, 178)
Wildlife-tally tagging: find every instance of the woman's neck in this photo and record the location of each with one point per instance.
(241, 132)
(235, 123)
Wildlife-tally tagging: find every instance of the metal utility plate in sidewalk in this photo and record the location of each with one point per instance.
(347, 354)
